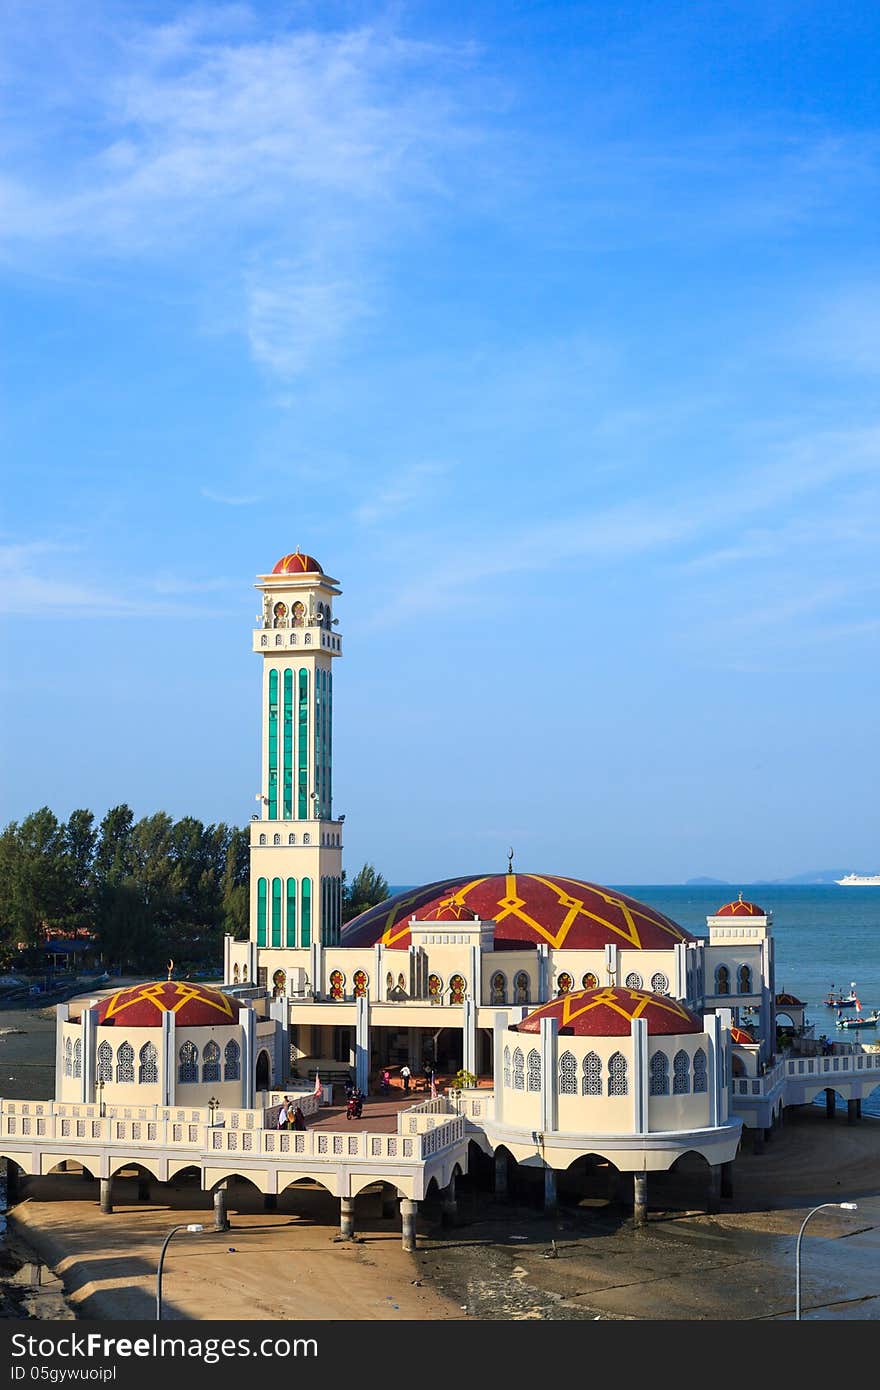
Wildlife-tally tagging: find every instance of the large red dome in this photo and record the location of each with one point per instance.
(528, 909)
(142, 1006)
(297, 563)
(740, 909)
(608, 1013)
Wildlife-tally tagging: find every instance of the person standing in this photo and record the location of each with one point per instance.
(405, 1075)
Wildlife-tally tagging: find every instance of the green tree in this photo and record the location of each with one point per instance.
(365, 890)
(80, 840)
(234, 887)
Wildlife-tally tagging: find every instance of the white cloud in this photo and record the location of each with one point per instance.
(408, 488)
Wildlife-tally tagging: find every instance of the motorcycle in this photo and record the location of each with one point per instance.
(355, 1107)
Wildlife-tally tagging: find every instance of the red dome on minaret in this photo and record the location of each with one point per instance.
(740, 909)
(297, 563)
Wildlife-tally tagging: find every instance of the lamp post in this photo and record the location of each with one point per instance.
(843, 1206)
(213, 1106)
(192, 1228)
(99, 1087)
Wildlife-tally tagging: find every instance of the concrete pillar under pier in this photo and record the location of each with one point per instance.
(727, 1180)
(221, 1220)
(550, 1200)
(829, 1103)
(713, 1192)
(449, 1210)
(105, 1196)
(859, 1107)
(13, 1183)
(270, 1202)
(408, 1211)
(501, 1173)
(390, 1201)
(852, 1111)
(346, 1218)
(143, 1187)
(640, 1199)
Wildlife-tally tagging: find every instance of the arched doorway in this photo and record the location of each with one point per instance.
(264, 1071)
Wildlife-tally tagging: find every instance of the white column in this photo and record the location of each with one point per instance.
(168, 1044)
(498, 1032)
(476, 973)
(252, 957)
(377, 989)
(227, 951)
(641, 1072)
(679, 984)
(362, 1042)
(543, 972)
(549, 1102)
(712, 1026)
(62, 1015)
(316, 964)
(469, 1035)
(278, 1010)
(89, 1026)
(248, 1022)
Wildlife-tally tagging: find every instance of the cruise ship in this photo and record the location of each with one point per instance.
(859, 881)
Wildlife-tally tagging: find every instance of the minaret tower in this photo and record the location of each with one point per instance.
(296, 845)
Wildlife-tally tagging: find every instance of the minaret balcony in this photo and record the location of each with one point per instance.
(307, 639)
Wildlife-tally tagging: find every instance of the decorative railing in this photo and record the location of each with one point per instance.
(841, 1065)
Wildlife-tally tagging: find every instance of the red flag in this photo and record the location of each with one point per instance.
(319, 1089)
(858, 1006)
(433, 1089)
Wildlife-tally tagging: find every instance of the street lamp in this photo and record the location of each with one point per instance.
(843, 1206)
(99, 1087)
(192, 1229)
(213, 1106)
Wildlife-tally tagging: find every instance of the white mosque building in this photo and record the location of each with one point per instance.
(590, 1028)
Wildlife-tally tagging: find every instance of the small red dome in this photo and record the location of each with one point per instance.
(142, 1006)
(297, 563)
(740, 1035)
(447, 912)
(740, 909)
(608, 1013)
(528, 910)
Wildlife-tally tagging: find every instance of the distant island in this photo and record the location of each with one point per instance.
(814, 876)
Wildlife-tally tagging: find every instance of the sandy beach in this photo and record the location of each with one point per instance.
(506, 1259)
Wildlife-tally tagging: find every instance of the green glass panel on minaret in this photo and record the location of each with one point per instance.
(261, 911)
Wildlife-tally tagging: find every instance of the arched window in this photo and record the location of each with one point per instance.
(521, 987)
(308, 639)
(499, 988)
(78, 1057)
(279, 980)
(591, 1084)
(211, 1062)
(235, 978)
(659, 983)
(279, 640)
(291, 839)
(361, 982)
(518, 1070)
(722, 980)
(148, 1065)
(264, 641)
(232, 1055)
(68, 1057)
(337, 984)
(262, 839)
(401, 981)
(507, 1067)
(533, 1066)
(105, 1063)
(745, 979)
(125, 1064)
(617, 1083)
(457, 987)
(568, 1081)
(681, 1073)
(389, 982)
(435, 989)
(276, 839)
(564, 983)
(188, 1063)
(633, 980)
(590, 981)
(699, 1071)
(307, 839)
(659, 1074)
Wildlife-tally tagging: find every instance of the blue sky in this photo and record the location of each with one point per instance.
(552, 330)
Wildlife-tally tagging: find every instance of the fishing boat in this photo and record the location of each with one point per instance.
(860, 1020)
(837, 1000)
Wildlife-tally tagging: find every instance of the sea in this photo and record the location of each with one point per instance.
(826, 936)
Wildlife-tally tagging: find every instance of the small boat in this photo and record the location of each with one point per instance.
(837, 1000)
(860, 1020)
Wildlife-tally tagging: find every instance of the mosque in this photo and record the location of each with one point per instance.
(559, 1026)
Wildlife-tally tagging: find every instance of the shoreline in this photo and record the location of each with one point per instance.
(507, 1260)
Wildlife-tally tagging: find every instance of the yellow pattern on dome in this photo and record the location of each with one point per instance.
(157, 994)
(575, 1005)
